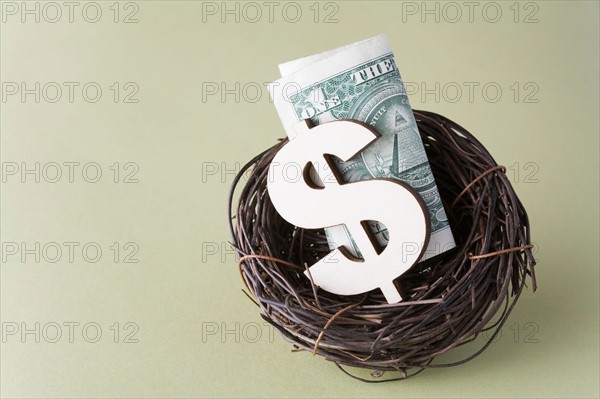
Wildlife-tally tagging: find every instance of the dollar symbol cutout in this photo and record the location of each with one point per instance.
(311, 205)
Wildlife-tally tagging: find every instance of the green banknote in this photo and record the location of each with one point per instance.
(361, 81)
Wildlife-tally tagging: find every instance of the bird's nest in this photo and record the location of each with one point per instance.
(448, 299)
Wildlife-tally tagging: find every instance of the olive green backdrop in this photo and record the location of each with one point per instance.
(122, 126)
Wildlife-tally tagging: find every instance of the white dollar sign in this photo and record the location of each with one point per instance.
(310, 206)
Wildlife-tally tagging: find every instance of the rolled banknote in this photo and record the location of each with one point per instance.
(361, 81)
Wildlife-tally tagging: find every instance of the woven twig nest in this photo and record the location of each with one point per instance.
(448, 299)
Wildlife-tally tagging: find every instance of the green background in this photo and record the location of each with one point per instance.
(186, 283)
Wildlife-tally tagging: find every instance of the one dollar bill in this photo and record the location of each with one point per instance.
(361, 81)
